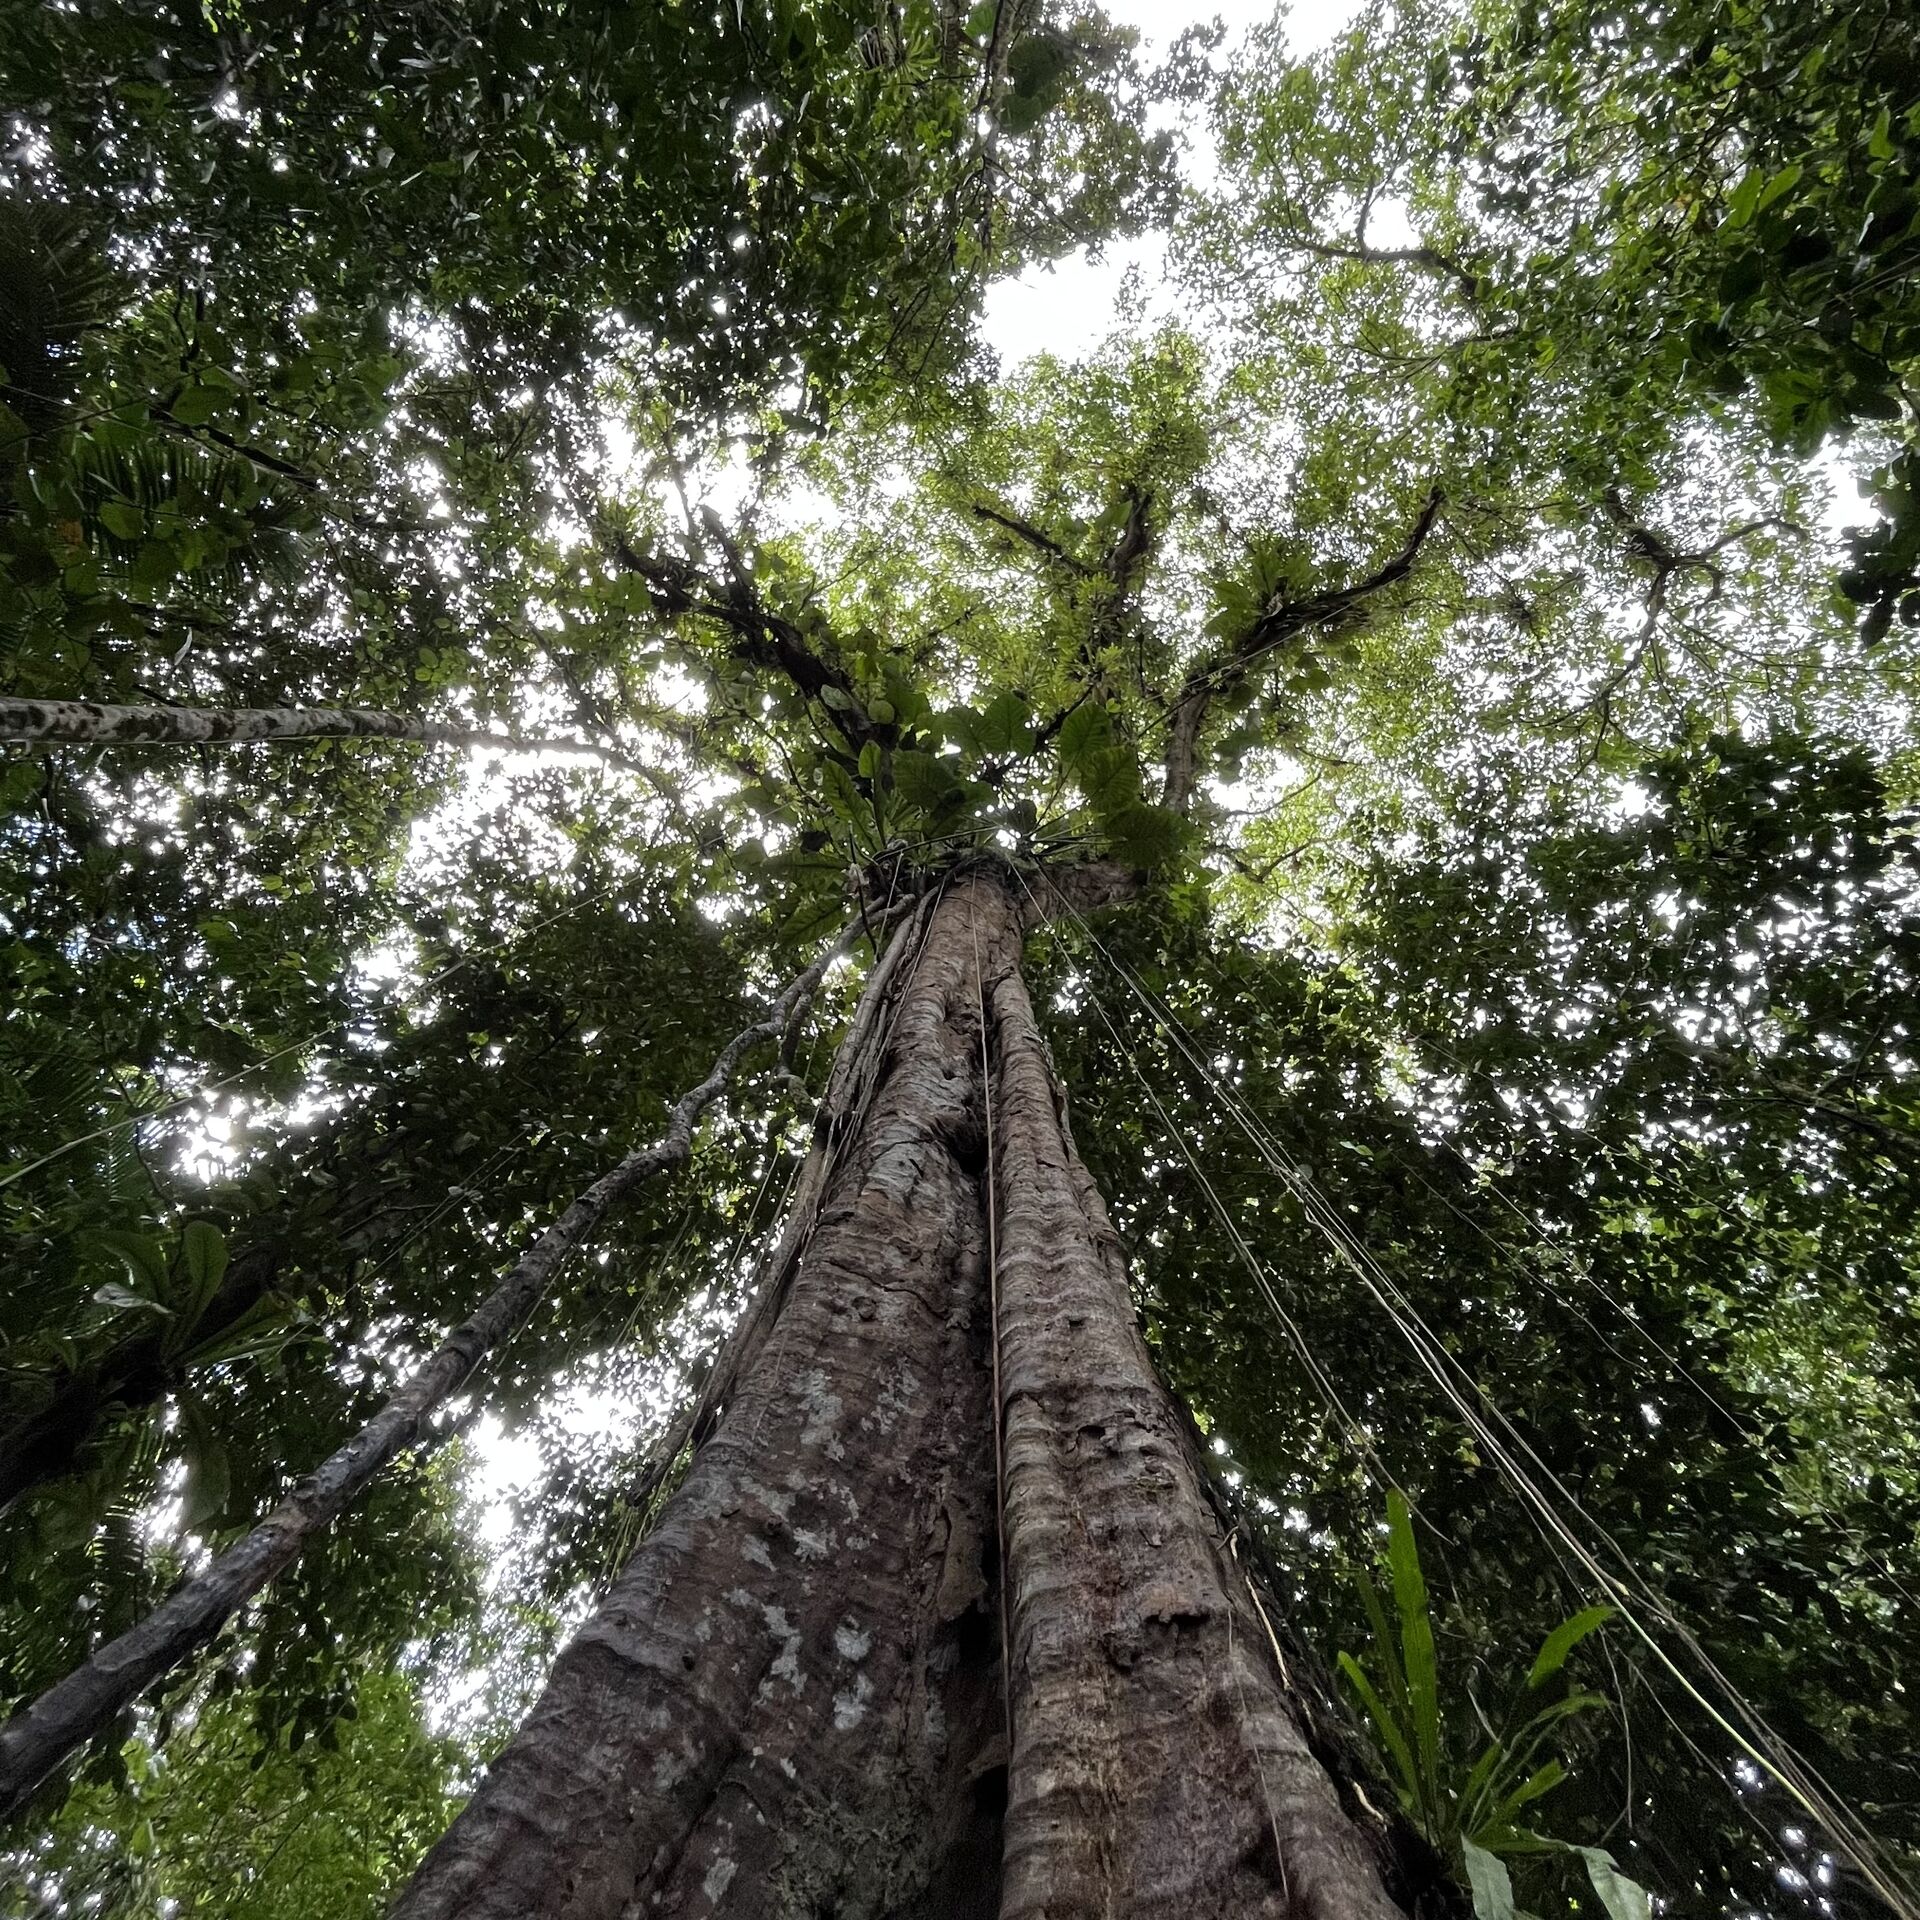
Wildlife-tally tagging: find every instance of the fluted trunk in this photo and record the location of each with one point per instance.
(793, 1701)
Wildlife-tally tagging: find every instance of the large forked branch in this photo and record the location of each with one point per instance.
(1281, 622)
(1423, 255)
(1667, 563)
(761, 637)
(1115, 575)
(88, 723)
(86, 1701)
(1124, 563)
(1650, 545)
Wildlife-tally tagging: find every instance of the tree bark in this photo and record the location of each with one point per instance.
(88, 723)
(790, 1700)
(1159, 1762)
(794, 1700)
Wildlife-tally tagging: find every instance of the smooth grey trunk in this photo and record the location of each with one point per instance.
(86, 1701)
(793, 1701)
(89, 723)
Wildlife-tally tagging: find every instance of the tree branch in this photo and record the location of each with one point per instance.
(761, 637)
(1667, 562)
(1278, 624)
(1431, 259)
(1025, 530)
(90, 723)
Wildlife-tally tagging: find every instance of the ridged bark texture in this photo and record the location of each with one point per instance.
(792, 1703)
(1158, 1767)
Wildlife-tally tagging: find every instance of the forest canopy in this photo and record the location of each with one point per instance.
(515, 532)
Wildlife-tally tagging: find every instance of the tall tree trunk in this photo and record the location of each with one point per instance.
(1157, 1755)
(793, 1700)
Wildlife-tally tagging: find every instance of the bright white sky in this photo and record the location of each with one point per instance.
(1069, 308)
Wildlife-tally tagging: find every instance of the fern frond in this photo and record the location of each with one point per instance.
(55, 287)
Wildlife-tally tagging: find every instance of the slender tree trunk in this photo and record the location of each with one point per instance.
(88, 723)
(793, 1701)
(86, 1701)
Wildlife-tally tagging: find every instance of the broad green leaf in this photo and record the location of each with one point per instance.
(155, 564)
(1386, 1645)
(204, 1249)
(923, 780)
(1387, 1726)
(1541, 1782)
(209, 1471)
(1562, 1641)
(1416, 1633)
(1005, 725)
(1479, 1782)
(1744, 198)
(1781, 183)
(196, 406)
(1624, 1899)
(265, 1328)
(1084, 732)
(144, 1258)
(1548, 1717)
(1146, 836)
(1490, 1883)
(846, 799)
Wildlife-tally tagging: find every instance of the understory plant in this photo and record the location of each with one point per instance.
(1473, 1813)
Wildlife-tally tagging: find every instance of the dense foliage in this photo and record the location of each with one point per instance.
(1444, 620)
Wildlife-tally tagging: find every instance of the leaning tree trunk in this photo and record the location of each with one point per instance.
(37, 723)
(793, 1701)
(86, 1701)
